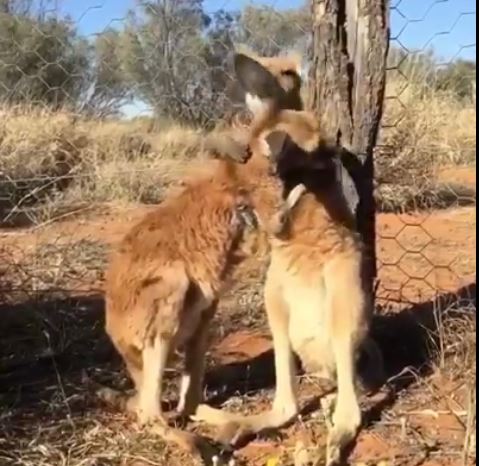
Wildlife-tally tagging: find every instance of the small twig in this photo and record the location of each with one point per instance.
(60, 382)
(143, 459)
(434, 413)
(60, 217)
(407, 370)
(470, 428)
(32, 193)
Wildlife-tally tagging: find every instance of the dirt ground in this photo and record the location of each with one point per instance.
(53, 345)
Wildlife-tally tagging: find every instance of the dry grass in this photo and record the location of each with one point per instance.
(55, 161)
(52, 161)
(424, 132)
(50, 415)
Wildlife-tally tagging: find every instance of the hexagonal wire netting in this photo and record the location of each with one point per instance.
(102, 106)
(102, 102)
(426, 156)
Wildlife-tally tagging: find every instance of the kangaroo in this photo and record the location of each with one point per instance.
(164, 280)
(315, 297)
(276, 106)
(273, 87)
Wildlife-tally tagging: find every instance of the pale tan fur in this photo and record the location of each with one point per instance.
(165, 278)
(317, 306)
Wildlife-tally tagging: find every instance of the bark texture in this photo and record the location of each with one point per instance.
(348, 75)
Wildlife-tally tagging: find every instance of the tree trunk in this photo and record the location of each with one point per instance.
(349, 52)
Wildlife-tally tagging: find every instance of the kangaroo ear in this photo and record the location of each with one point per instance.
(255, 78)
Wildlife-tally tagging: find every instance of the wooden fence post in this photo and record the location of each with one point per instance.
(349, 53)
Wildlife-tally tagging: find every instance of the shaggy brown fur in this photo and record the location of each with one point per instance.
(165, 278)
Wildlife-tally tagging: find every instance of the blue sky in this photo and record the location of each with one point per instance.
(449, 26)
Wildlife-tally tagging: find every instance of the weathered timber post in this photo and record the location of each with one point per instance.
(349, 52)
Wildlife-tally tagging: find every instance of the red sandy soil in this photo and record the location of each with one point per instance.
(419, 255)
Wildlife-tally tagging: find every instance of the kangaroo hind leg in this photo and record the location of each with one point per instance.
(235, 427)
(346, 314)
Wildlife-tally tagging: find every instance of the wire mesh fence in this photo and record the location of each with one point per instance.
(102, 107)
(426, 157)
(105, 103)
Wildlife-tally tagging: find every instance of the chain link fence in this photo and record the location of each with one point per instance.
(102, 107)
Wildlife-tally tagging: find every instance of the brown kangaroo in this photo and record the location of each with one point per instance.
(164, 280)
(315, 298)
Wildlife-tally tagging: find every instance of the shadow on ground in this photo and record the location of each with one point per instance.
(407, 340)
(47, 342)
(47, 346)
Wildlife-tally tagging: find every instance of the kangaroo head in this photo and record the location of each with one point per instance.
(272, 91)
(269, 81)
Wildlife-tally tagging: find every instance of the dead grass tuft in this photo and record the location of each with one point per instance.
(425, 131)
(55, 161)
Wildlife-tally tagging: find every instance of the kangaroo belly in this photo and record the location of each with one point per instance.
(309, 326)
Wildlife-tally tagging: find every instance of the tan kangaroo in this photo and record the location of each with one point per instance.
(164, 280)
(314, 294)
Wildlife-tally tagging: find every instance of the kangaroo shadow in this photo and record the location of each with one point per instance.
(51, 341)
(47, 345)
(407, 340)
(59, 340)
